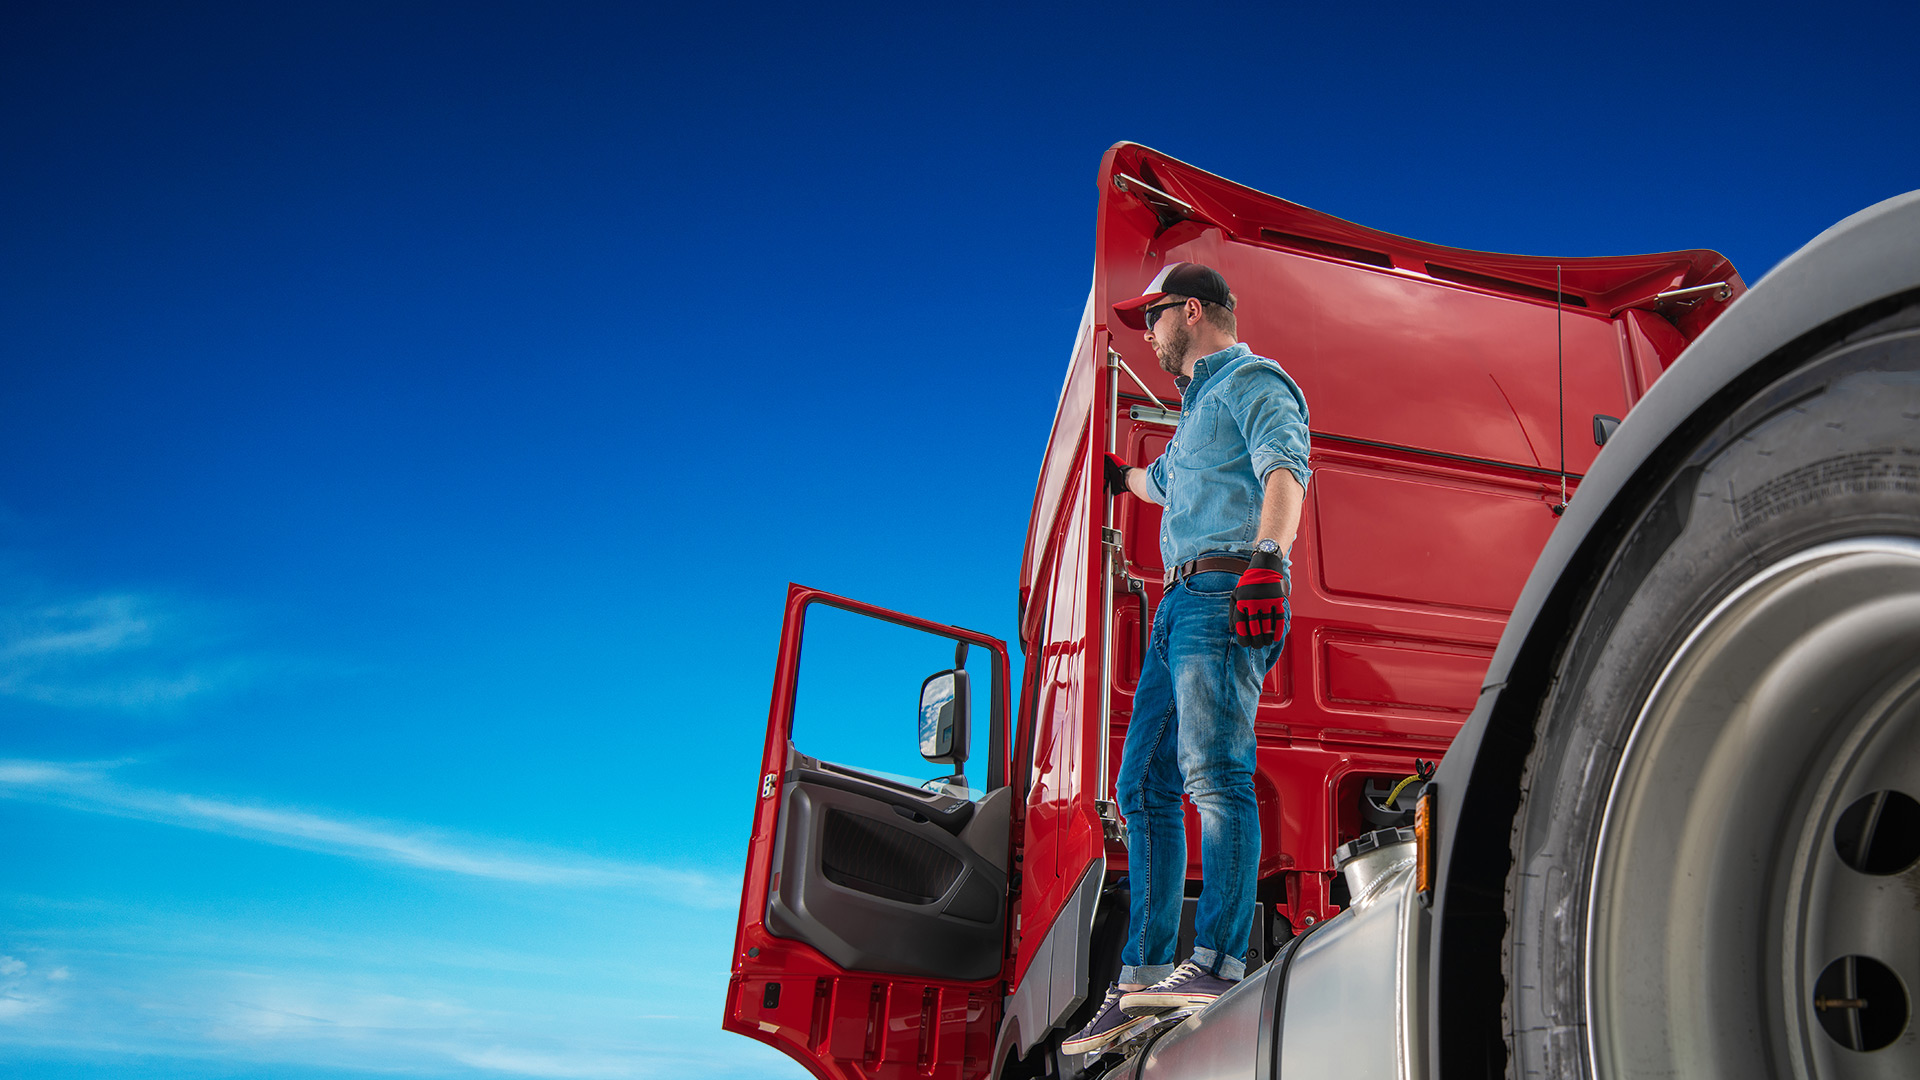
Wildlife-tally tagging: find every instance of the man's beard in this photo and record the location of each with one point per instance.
(1172, 349)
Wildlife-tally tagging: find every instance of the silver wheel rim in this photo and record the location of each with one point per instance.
(1719, 895)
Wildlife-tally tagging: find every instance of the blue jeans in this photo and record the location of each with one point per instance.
(1192, 730)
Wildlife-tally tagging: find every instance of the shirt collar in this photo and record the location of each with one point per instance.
(1205, 367)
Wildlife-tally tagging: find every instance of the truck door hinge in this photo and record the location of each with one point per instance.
(767, 783)
(1111, 538)
(1111, 823)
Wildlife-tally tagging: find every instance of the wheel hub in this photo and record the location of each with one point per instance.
(1755, 903)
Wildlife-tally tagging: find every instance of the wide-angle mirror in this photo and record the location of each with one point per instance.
(945, 703)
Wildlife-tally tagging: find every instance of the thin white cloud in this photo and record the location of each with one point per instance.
(17, 992)
(344, 1020)
(96, 625)
(92, 788)
(126, 651)
(569, 1038)
(251, 993)
(518, 1062)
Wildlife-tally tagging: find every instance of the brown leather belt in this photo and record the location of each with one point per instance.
(1231, 563)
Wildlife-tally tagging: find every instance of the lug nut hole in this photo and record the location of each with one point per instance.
(1860, 1002)
(1879, 833)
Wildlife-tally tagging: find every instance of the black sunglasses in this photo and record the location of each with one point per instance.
(1153, 311)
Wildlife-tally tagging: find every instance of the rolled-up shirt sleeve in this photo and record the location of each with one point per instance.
(1272, 414)
(1157, 480)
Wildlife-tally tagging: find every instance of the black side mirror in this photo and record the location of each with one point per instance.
(945, 706)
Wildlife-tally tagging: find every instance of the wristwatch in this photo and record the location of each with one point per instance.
(1268, 547)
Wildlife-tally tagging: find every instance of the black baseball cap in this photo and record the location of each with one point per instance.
(1176, 279)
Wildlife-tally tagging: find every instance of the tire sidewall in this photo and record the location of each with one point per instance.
(1828, 452)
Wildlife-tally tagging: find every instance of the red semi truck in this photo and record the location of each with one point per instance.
(1673, 687)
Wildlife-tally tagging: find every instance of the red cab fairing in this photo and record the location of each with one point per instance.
(1444, 384)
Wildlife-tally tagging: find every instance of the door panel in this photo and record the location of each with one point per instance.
(877, 884)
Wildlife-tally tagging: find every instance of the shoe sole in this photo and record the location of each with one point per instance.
(1096, 1043)
(1144, 1004)
(1161, 1023)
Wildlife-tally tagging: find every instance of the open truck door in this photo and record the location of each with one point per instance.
(873, 918)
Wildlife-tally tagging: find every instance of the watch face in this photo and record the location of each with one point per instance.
(1269, 546)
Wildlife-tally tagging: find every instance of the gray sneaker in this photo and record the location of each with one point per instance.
(1189, 987)
(1108, 1028)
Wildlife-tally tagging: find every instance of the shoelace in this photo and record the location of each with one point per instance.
(1187, 970)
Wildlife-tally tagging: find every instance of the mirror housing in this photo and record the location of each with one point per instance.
(945, 708)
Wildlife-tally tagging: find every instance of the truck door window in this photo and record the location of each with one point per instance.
(858, 697)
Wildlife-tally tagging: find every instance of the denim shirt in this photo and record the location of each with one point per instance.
(1241, 417)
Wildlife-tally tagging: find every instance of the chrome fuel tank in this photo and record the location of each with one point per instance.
(1352, 1003)
(1343, 1000)
(1230, 1040)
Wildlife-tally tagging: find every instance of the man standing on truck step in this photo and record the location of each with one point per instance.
(1232, 482)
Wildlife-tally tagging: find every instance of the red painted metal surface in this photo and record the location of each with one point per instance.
(1453, 394)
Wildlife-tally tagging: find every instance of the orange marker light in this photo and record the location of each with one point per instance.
(1423, 846)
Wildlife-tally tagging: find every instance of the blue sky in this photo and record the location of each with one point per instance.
(412, 414)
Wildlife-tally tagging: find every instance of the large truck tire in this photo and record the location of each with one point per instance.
(1716, 855)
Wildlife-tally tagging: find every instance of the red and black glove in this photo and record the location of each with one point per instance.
(1116, 475)
(1260, 601)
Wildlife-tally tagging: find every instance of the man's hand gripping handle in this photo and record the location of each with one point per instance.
(1117, 475)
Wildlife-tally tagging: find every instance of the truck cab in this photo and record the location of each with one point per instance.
(943, 896)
